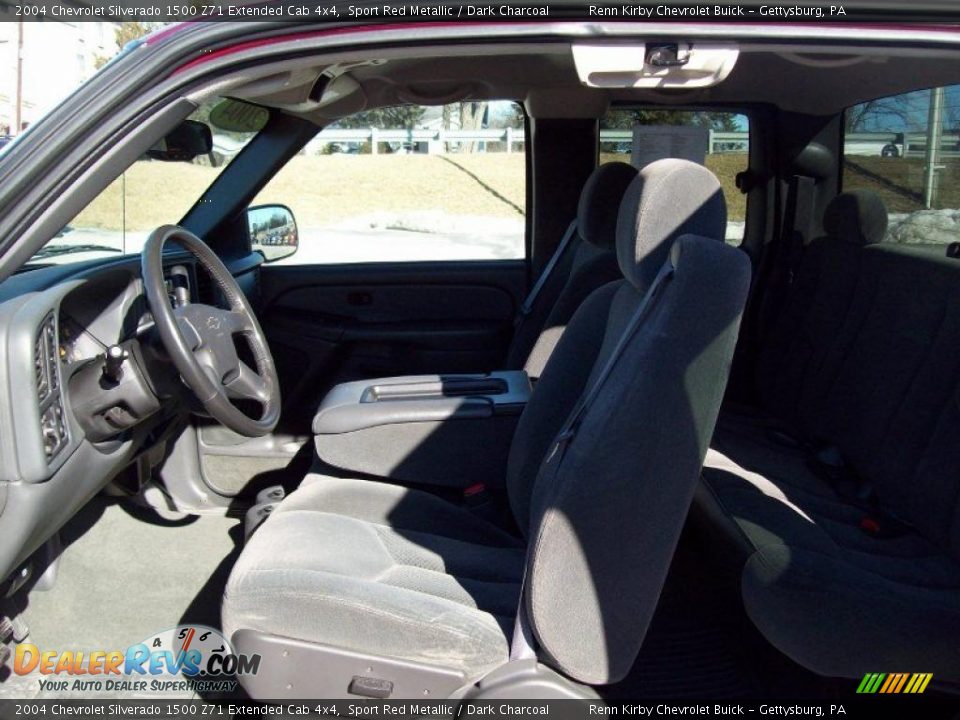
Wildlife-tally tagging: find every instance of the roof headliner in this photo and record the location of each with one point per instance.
(799, 77)
(760, 76)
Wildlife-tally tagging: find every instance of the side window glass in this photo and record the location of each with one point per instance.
(906, 148)
(719, 140)
(407, 184)
(160, 187)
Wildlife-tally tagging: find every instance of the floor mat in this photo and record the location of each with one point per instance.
(125, 575)
(691, 649)
(684, 661)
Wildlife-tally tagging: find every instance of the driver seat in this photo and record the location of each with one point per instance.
(360, 588)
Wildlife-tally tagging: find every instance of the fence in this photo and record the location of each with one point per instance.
(899, 144)
(439, 140)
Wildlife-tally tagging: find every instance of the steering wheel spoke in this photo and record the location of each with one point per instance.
(246, 384)
(190, 336)
(236, 322)
(239, 322)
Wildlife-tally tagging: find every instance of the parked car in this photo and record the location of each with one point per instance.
(530, 427)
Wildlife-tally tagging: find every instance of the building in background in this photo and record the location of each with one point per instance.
(43, 62)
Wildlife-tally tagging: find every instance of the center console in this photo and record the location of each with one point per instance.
(446, 430)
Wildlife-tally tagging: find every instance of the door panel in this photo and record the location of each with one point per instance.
(334, 323)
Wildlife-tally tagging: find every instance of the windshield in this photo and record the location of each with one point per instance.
(159, 188)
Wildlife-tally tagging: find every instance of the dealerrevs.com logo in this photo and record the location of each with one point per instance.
(187, 657)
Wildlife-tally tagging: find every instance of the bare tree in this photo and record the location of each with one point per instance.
(399, 116)
(627, 118)
(472, 115)
(515, 118)
(124, 33)
(900, 113)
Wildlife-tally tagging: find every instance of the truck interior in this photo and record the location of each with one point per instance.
(681, 428)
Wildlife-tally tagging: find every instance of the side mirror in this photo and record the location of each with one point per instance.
(189, 140)
(273, 231)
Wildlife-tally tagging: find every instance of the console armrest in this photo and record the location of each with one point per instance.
(448, 430)
(420, 398)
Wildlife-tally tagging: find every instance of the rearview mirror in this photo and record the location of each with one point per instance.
(273, 231)
(189, 140)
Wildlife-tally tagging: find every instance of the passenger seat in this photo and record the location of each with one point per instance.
(355, 587)
(839, 497)
(585, 262)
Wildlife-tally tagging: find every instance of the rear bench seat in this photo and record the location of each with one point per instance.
(840, 498)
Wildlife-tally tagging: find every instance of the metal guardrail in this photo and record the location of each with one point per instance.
(907, 144)
(510, 137)
(374, 136)
(718, 142)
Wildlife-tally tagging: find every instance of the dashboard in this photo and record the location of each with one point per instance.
(108, 310)
(113, 309)
(64, 432)
(75, 344)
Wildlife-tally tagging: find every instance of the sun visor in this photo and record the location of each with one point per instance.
(654, 65)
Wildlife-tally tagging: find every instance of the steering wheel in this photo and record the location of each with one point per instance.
(200, 338)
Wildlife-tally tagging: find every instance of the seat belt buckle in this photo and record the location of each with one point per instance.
(871, 526)
(476, 495)
(882, 527)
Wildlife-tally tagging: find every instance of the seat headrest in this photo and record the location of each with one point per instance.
(858, 216)
(599, 201)
(667, 199)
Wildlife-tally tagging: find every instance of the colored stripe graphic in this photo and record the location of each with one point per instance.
(894, 683)
(870, 683)
(890, 682)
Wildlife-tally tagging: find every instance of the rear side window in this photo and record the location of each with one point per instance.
(906, 148)
(408, 184)
(719, 140)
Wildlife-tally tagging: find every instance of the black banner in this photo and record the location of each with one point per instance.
(432, 10)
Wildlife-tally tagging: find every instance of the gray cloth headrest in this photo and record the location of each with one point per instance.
(599, 201)
(858, 216)
(668, 198)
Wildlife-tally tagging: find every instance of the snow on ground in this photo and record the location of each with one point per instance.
(924, 227)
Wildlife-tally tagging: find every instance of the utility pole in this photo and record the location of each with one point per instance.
(19, 107)
(934, 133)
(4, 42)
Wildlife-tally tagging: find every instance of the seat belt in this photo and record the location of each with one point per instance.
(523, 643)
(552, 263)
(798, 228)
(572, 425)
(794, 235)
